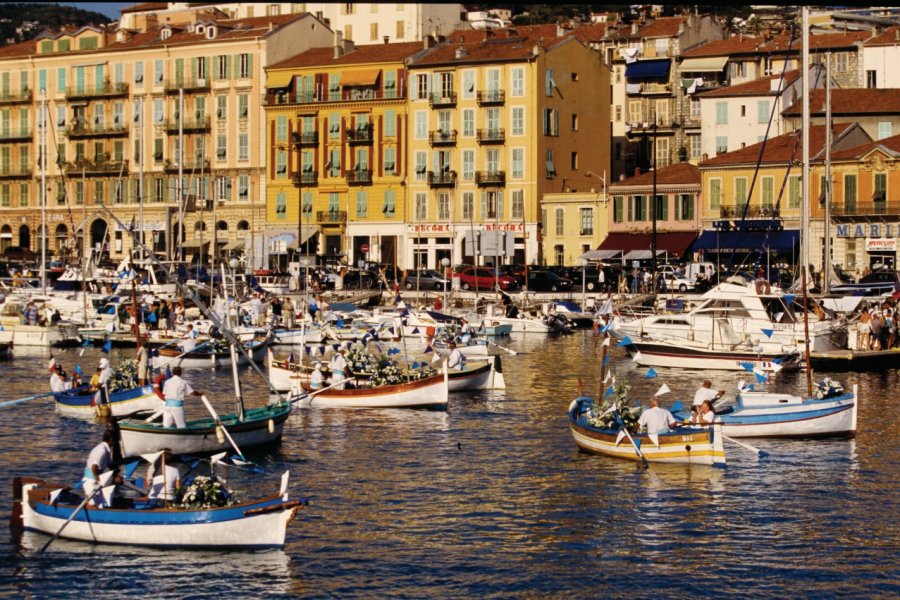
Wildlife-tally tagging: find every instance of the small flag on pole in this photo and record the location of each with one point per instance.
(760, 377)
(747, 366)
(605, 342)
(626, 341)
(637, 356)
(651, 373)
(107, 346)
(605, 361)
(608, 391)
(768, 332)
(664, 389)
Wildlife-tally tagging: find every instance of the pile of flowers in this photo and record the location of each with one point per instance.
(828, 388)
(124, 375)
(204, 492)
(381, 369)
(626, 412)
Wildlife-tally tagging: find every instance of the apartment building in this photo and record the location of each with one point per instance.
(164, 123)
(880, 57)
(337, 122)
(576, 223)
(876, 110)
(498, 120)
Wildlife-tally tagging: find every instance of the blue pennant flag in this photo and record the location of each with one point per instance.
(372, 332)
(606, 327)
(746, 366)
(768, 332)
(789, 299)
(308, 350)
(394, 351)
(428, 349)
(760, 378)
(335, 347)
(605, 360)
(415, 330)
(168, 372)
(404, 320)
(626, 341)
(608, 391)
(340, 323)
(77, 369)
(650, 373)
(415, 365)
(777, 361)
(405, 313)
(391, 330)
(85, 343)
(107, 346)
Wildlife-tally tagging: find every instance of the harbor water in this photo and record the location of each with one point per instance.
(492, 499)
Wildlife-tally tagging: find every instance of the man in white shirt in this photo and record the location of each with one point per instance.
(316, 378)
(465, 332)
(174, 391)
(189, 340)
(338, 366)
(656, 419)
(456, 360)
(55, 379)
(98, 462)
(705, 392)
(163, 478)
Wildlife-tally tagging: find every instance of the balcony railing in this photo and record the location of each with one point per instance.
(305, 138)
(737, 212)
(199, 164)
(490, 136)
(648, 88)
(83, 130)
(15, 173)
(107, 90)
(441, 179)
(360, 135)
(16, 135)
(95, 167)
(442, 138)
(23, 97)
(442, 100)
(305, 178)
(191, 85)
(359, 176)
(354, 95)
(490, 178)
(331, 216)
(866, 209)
(189, 125)
(491, 97)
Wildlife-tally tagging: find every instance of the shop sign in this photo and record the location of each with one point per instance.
(867, 230)
(881, 245)
(447, 227)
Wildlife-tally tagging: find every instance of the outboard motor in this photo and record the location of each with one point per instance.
(559, 324)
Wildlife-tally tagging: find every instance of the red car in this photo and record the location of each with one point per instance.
(484, 278)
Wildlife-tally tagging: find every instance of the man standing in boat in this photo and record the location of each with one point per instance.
(174, 391)
(98, 461)
(338, 366)
(456, 360)
(189, 341)
(705, 393)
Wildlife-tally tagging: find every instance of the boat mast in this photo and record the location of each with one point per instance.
(804, 206)
(826, 270)
(43, 122)
(140, 189)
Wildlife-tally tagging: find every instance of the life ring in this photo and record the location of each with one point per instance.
(763, 286)
(429, 331)
(262, 272)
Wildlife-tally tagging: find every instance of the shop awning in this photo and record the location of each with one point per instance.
(360, 77)
(784, 241)
(673, 242)
(234, 245)
(599, 254)
(279, 79)
(194, 244)
(648, 69)
(712, 64)
(308, 232)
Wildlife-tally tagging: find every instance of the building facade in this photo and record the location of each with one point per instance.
(576, 222)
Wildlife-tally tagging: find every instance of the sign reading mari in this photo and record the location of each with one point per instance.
(867, 230)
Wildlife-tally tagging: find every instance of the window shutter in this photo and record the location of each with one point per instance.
(249, 65)
(227, 67)
(500, 205)
(483, 205)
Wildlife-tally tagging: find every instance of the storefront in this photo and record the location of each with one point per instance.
(375, 242)
(475, 243)
(881, 253)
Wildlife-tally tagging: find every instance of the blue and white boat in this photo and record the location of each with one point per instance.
(79, 402)
(255, 524)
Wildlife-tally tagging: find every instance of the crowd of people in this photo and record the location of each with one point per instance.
(877, 327)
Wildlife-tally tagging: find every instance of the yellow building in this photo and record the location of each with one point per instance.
(120, 105)
(497, 120)
(336, 119)
(574, 222)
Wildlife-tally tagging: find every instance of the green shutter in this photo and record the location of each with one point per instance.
(249, 65)
(194, 68)
(179, 71)
(617, 209)
(228, 67)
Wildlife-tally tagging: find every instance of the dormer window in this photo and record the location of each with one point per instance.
(211, 33)
(200, 28)
(165, 33)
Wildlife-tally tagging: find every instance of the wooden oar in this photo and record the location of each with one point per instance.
(636, 447)
(218, 421)
(309, 395)
(507, 350)
(757, 451)
(87, 498)
(25, 399)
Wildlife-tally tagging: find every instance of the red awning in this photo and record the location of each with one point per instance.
(676, 242)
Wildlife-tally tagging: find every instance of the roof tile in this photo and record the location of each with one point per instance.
(757, 87)
(680, 173)
(779, 149)
(851, 101)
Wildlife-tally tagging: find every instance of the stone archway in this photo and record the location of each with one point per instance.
(24, 237)
(99, 230)
(62, 236)
(6, 237)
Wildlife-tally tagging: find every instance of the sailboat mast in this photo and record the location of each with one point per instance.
(43, 122)
(804, 206)
(826, 271)
(141, 167)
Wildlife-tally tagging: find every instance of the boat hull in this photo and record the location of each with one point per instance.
(261, 427)
(171, 357)
(697, 446)
(431, 392)
(35, 336)
(250, 525)
(125, 402)
(488, 376)
(671, 354)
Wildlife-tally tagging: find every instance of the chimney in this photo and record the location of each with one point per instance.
(338, 44)
(705, 156)
(637, 171)
(461, 53)
(634, 28)
(387, 39)
(560, 31)
(427, 42)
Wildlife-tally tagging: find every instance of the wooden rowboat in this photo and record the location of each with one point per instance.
(205, 359)
(687, 355)
(429, 392)
(80, 402)
(687, 445)
(254, 524)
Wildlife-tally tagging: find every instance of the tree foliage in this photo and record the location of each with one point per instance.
(24, 21)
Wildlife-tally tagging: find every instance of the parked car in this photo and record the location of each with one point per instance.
(426, 279)
(547, 281)
(880, 282)
(518, 271)
(681, 282)
(483, 278)
(356, 279)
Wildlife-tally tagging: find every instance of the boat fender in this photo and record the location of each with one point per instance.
(271, 426)
(429, 331)
(220, 435)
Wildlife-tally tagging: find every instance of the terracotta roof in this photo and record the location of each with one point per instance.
(819, 41)
(662, 27)
(779, 149)
(591, 32)
(757, 87)
(511, 43)
(16, 50)
(372, 53)
(145, 6)
(889, 37)
(736, 44)
(677, 174)
(851, 102)
(891, 145)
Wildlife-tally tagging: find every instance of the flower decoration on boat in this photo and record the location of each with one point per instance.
(625, 412)
(124, 375)
(381, 369)
(205, 492)
(828, 388)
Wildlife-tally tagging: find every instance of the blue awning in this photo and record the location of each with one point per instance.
(648, 69)
(783, 241)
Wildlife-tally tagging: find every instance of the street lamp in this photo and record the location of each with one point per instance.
(445, 262)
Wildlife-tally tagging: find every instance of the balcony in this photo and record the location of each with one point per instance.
(102, 166)
(305, 178)
(82, 130)
(15, 173)
(199, 164)
(491, 97)
(331, 216)
(196, 125)
(282, 98)
(490, 178)
(360, 135)
(23, 97)
(445, 100)
(648, 88)
(442, 138)
(107, 90)
(737, 212)
(441, 179)
(869, 209)
(190, 86)
(359, 177)
(490, 136)
(16, 135)
(305, 138)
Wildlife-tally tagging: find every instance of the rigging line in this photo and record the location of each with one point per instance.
(762, 148)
